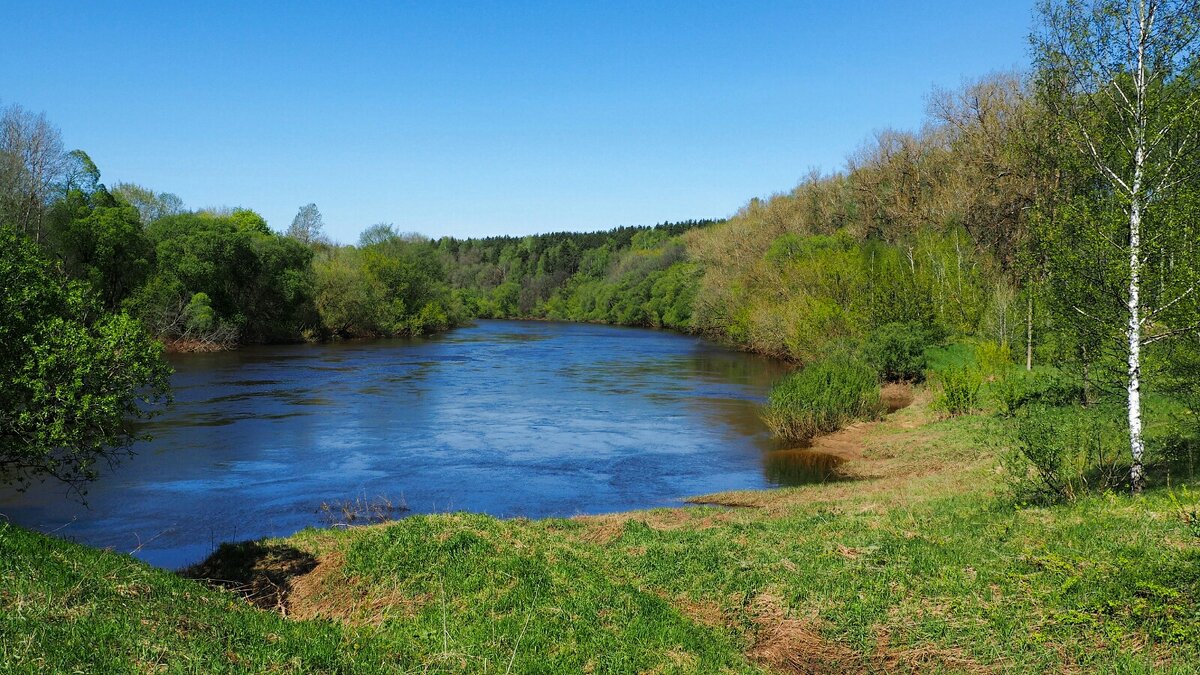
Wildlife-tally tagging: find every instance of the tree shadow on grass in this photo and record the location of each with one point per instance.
(260, 573)
(1177, 459)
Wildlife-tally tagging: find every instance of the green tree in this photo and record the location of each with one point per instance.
(150, 205)
(348, 299)
(71, 375)
(99, 238)
(1120, 78)
(259, 285)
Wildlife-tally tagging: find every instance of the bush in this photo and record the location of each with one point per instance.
(431, 319)
(1061, 453)
(993, 358)
(1188, 510)
(897, 351)
(1014, 392)
(823, 398)
(958, 390)
(1179, 450)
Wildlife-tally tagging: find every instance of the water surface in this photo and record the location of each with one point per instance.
(507, 418)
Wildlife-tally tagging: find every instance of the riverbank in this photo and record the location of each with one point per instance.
(913, 560)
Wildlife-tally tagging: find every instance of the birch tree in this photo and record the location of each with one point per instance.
(1120, 77)
(151, 205)
(308, 225)
(32, 161)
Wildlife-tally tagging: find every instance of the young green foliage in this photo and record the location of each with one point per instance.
(897, 351)
(72, 374)
(957, 390)
(822, 398)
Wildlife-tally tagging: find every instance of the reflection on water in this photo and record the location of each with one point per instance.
(799, 467)
(507, 418)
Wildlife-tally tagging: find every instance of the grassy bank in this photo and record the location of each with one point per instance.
(914, 560)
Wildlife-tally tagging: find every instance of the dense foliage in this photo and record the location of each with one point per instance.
(223, 277)
(388, 285)
(897, 351)
(636, 276)
(73, 374)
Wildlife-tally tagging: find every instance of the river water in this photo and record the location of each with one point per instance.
(508, 418)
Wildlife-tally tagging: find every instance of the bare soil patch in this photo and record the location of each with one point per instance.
(896, 396)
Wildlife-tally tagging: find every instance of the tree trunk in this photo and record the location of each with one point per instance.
(1137, 477)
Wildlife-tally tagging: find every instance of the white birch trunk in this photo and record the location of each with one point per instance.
(1137, 477)
(1134, 333)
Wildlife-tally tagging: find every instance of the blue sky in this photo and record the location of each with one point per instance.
(464, 119)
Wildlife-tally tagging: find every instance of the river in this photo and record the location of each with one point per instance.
(508, 418)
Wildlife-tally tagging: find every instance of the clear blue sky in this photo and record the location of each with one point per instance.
(489, 118)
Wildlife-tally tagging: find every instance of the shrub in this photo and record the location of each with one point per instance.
(822, 398)
(897, 351)
(1178, 449)
(993, 358)
(1014, 391)
(1009, 393)
(1188, 509)
(73, 377)
(430, 319)
(958, 390)
(1061, 453)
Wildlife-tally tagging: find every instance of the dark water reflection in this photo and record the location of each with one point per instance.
(507, 418)
(797, 467)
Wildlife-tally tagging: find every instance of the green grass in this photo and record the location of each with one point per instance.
(958, 354)
(927, 566)
(69, 608)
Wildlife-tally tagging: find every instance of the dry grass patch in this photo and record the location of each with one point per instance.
(896, 396)
(791, 644)
(788, 643)
(925, 658)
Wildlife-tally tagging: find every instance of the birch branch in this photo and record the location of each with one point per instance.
(1171, 333)
(1160, 310)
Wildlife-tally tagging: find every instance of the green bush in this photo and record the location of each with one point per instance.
(73, 377)
(1179, 450)
(431, 319)
(993, 358)
(897, 351)
(1187, 507)
(1061, 453)
(1016, 391)
(822, 398)
(958, 390)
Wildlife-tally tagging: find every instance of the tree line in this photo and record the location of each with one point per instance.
(636, 276)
